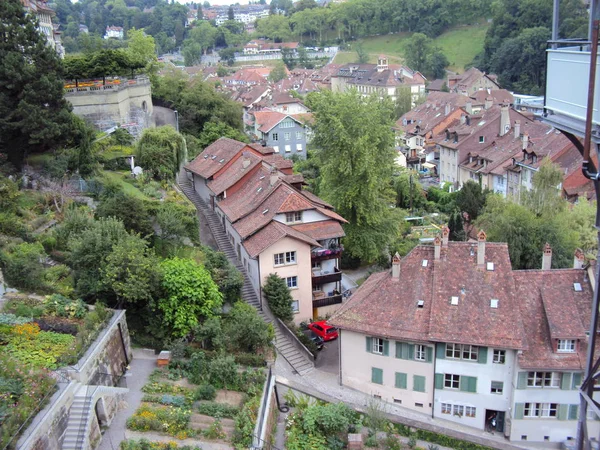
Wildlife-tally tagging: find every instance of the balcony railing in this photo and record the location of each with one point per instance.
(323, 277)
(320, 301)
(322, 254)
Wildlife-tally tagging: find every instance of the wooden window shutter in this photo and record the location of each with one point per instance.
(576, 380)
(519, 411)
(565, 380)
(573, 412)
(386, 348)
(401, 380)
(522, 380)
(418, 383)
(563, 412)
(429, 354)
(398, 349)
(439, 381)
(468, 384)
(411, 351)
(369, 344)
(440, 351)
(482, 355)
(376, 375)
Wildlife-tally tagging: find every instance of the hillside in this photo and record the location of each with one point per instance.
(460, 44)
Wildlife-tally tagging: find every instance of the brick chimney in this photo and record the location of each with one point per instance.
(445, 234)
(504, 120)
(437, 248)
(547, 257)
(517, 129)
(579, 259)
(489, 101)
(481, 238)
(396, 266)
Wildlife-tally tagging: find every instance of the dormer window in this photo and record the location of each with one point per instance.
(424, 263)
(490, 266)
(420, 304)
(454, 301)
(481, 139)
(292, 217)
(566, 346)
(494, 303)
(577, 287)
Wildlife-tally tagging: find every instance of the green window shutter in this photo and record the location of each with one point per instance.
(573, 412)
(440, 350)
(482, 357)
(439, 381)
(563, 412)
(376, 375)
(565, 380)
(468, 384)
(418, 383)
(522, 380)
(576, 380)
(369, 345)
(401, 380)
(519, 411)
(386, 348)
(429, 354)
(411, 351)
(398, 349)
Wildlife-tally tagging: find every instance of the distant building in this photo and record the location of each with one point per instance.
(285, 133)
(83, 28)
(471, 81)
(260, 46)
(114, 32)
(44, 15)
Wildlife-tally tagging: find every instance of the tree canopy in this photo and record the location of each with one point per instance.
(161, 152)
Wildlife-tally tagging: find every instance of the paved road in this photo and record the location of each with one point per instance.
(329, 358)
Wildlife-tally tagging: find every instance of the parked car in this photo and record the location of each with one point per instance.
(325, 331)
(318, 340)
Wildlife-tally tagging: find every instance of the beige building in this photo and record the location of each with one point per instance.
(44, 15)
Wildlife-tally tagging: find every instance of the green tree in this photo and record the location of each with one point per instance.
(409, 191)
(176, 223)
(582, 218)
(471, 199)
(275, 27)
(245, 330)
(457, 227)
(404, 101)
(22, 267)
(417, 50)
(161, 152)
(545, 197)
(278, 297)
(190, 294)
(230, 13)
(363, 55)
(357, 156)
(278, 72)
(227, 55)
(35, 115)
(192, 53)
(215, 130)
(129, 209)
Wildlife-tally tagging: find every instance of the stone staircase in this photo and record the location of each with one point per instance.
(283, 344)
(79, 415)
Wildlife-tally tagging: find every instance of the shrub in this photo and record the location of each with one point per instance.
(58, 305)
(11, 319)
(218, 410)
(22, 266)
(278, 297)
(131, 210)
(11, 225)
(205, 392)
(215, 431)
(166, 419)
(250, 360)
(144, 444)
(246, 330)
(244, 423)
(222, 372)
(412, 442)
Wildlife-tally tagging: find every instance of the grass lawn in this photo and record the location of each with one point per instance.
(128, 188)
(460, 45)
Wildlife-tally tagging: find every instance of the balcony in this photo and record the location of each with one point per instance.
(324, 276)
(322, 254)
(321, 299)
(567, 82)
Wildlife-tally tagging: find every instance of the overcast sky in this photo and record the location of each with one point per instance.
(217, 2)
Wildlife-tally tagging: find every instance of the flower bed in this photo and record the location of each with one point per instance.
(168, 419)
(143, 444)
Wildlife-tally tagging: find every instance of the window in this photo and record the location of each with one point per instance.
(276, 148)
(462, 351)
(540, 409)
(286, 124)
(566, 345)
(293, 217)
(446, 408)
(278, 259)
(316, 265)
(418, 383)
(295, 306)
(543, 379)
(288, 148)
(378, 346)
(286, 136)
(459, 410)
(292, 282)
(298, 147)
(481, 139)
(499, 357)
(470, 411)
(497, 387)
(451, 381)
(420, 353)
(299, 135)
(275, 136)
(376, 375)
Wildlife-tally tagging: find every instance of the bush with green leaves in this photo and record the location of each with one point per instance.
(144, 444)
(161, 152)
(218, 410)
(58, 305)
(13, 225)
(222, 372)
(205, 392)
(278, 297)
(22, 266)
(225, 274)
(12, 319)
(245, 330)
(129, 209)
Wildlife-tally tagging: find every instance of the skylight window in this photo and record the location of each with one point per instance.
(481, 123)
(454, 301)
(214, 157)
(205, 156)
(262, 177)
(577, 287)
(424, 263)
(221, 160)
(259, 189)
(420, 304)
(265, 211)
(490, 266)
(494, 303)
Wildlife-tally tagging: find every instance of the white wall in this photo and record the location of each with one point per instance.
(308, 216)
(202, 188)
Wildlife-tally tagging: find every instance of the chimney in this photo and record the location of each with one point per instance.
(547, 257)
(488, 103)
(504, 120)
(525, 141)
(396, 266)
(579, 259)
(481, 237)
(447, 109)
(437, 245)
(245, 163)
(517, 129)
(463, 119)
(445, 234)
(469, 107)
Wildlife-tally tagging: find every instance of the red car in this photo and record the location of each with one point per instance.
(325, 331)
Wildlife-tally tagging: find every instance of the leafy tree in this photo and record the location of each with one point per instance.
(582, 218)
(190, 294)
(230, 13)
(227, 55)
(287, 56)
(9, 194)
(363, 55)
(471, 199)
(423, 56)
(404, 101)
(130, 210)
(161, 152)
(409, 191)
(215, 130)
(278, 73)
(245, 330)
(545, 197)
(22, 267)
(278, 297)
(436, 64)
(225, 274)
(210, 334)
(35, 115)
(275, 27)
(192, 53)
(357, 161)
(176, 223)
(457, 227)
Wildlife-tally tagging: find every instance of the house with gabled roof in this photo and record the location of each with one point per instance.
(274, 225)
(285, 133)
(452, 331)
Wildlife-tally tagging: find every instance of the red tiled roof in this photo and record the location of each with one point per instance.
(240, 167)
(266, 120)
(295, 203)
(272, 233)
(294, 179)
(313, 198)
(332, 214)
(324, 229)
(222, 149)
(278, 161)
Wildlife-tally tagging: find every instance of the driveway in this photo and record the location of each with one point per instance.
(329, 358)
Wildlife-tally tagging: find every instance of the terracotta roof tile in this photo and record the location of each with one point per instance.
(270, 234)
(239, 168)
(279, 161)
(325, 229)
(313, 198)
(295, 203)
(266, 120)
(213, 157)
